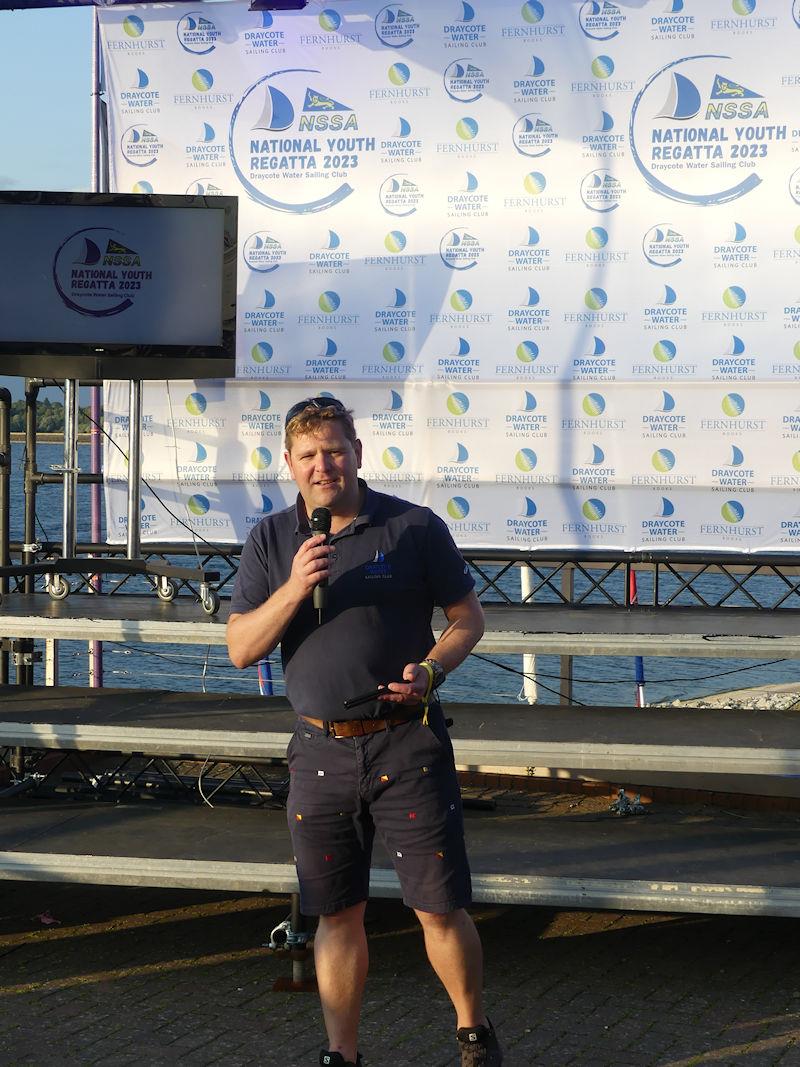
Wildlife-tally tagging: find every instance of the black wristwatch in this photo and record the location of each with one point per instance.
(439, 674)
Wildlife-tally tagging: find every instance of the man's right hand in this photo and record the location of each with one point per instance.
(254, 634)
(310, 566)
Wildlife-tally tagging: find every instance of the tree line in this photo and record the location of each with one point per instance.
(49, 417)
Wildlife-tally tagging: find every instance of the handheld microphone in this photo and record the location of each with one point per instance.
(320, 524)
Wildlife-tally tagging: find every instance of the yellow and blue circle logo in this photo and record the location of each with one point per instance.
(532, 11)
(198, 504)
(458, 403)
(594, 404)
(395, 241)
(597, 237)
(663, 460)
(535, 183)
(261, 352)
(467, 128)
(142, 187)
(261, 458)
(526, 459)
(527, 351)
(202, 80)
(734, 296)
(596, 299)
(743, 7)
(458, 507)
(461, 300)
(733, 405)
(393, 351)
(732, 511)
(392, 458)
(329, 301)
(399, 73)
(329, 20)
(796, 350)
(196, 403)
(665, 351)
(133, 26)
(796, 461)
(593, 509)
(602, 66)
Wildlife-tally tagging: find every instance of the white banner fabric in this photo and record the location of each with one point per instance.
(547, 252)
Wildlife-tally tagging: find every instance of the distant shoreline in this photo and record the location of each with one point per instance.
(49, 437)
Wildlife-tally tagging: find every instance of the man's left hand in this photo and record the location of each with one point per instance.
(411, 690)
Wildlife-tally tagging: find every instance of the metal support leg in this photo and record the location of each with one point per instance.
(134, 469)
(300, 982)
(529, 687)
(565, 671)
(70, 469)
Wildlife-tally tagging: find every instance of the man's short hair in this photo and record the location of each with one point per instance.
(308, 416)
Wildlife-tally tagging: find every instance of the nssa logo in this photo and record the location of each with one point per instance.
(98, 273)
(698, 134)
(285, 125)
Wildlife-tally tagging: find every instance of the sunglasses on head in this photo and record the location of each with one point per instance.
(317, 402)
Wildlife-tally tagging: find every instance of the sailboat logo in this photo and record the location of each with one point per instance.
(140, 146)
(396, 26)
(464, 81)
(533, 136)
(89, 254)
(601, 191)
(606, 123)
(664, 246)
(277, 112)
(601, 20)
(682, 102)
(197, 33)
(666, 509)
(400, 196)
(262, 252)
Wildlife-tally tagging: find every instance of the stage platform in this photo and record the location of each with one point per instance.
(596, 630)
(552, 850)
(160, 722)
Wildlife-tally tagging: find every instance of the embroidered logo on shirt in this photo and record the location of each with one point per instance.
(378, 567)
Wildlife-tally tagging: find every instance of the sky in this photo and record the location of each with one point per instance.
(45, 114)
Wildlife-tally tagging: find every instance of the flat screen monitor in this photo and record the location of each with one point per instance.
(111, 285)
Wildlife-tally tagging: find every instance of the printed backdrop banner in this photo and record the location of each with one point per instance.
(547, 252)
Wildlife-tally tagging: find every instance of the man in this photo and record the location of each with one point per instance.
(386, 764)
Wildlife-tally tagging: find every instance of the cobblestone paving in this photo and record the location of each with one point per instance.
(164, 977)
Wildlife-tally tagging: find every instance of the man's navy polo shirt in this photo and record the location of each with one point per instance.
(388, 569)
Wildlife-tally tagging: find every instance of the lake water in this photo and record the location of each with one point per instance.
(598, 680)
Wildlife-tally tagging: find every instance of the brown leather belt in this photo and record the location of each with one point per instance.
(357, 727)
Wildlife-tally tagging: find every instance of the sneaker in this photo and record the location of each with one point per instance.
(336, 1059)
(479, 1046)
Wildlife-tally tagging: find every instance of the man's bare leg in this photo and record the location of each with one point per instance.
(454, 950)
(341, 959)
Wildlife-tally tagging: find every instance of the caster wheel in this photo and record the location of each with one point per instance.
(59, 587)
(166, 590)
(210, 603)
